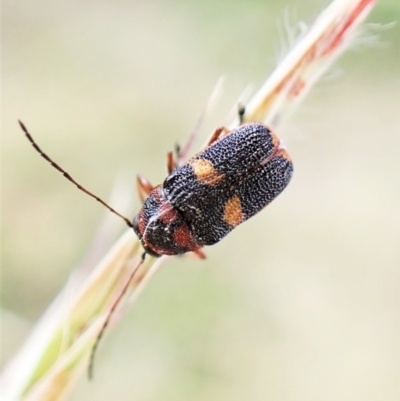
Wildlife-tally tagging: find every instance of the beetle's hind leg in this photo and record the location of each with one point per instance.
(144, 187)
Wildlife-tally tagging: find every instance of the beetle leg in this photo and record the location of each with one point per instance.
(172, 164)
(200, 254)
(144, 187)
(197, 254)
(219, 133)
(173, 159)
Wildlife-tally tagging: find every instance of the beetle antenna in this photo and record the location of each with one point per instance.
(109, 316)
(68, 177)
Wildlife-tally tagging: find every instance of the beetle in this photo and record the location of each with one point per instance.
(200, 202)
(237, 174)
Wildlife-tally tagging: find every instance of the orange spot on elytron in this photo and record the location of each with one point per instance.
(205, 172)
(233, 214)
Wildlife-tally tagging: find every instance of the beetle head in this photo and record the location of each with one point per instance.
(161, 228)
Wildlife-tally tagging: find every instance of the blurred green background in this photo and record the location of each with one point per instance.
(300, 303)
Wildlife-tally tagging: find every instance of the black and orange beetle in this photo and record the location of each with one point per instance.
(200, 202)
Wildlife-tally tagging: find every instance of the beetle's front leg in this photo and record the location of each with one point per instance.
(144, 187)
(172, 163)
(197, 254)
